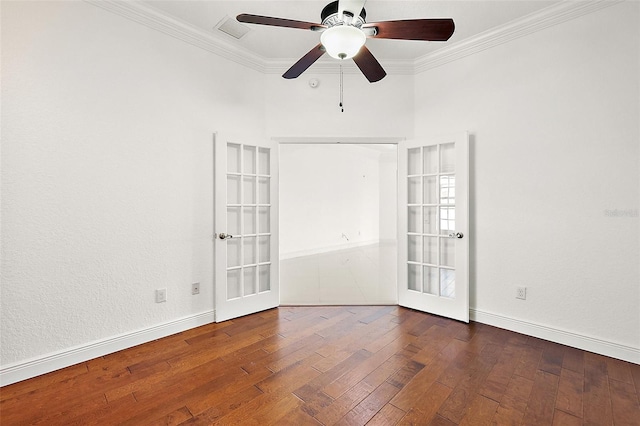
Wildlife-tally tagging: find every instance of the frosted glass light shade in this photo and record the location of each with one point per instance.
(342, 41)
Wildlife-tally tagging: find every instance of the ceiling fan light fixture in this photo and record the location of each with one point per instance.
(343, 41)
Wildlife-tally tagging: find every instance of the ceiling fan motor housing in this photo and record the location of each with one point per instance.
(330, 16)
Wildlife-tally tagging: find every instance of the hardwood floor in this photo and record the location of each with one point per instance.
(352, 365)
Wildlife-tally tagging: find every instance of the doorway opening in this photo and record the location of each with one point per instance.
(338, 224)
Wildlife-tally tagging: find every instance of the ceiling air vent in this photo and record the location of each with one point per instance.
(232, 27)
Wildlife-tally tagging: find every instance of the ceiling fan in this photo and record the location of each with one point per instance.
(345, 30)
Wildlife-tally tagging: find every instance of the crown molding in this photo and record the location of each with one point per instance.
(545, 18)
(181, 30)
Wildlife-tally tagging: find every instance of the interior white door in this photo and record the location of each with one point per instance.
(433, 219)
(246, 224)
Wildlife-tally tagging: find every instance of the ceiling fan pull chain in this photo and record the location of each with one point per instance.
(341, 90)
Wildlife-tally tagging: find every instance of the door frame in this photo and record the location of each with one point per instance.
(349, 140)
(335, 140)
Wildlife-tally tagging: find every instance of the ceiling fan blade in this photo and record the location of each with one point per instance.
(414, 29)
(369, 65)
(352, 6)
(278, 22)
(305, 62)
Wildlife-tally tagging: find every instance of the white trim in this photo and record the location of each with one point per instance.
(337, 139)
(537, 21)
(591, 344)
(33, 367)
(170, 25)
(54, 361)
(158, 20)
(326, 249)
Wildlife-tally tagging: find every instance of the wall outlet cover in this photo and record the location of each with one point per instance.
(161, 295)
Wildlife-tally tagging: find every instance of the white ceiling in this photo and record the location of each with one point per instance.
(471, 18)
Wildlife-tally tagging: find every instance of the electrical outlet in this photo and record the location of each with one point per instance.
(195, 288)
(521, 293)
(161, 295)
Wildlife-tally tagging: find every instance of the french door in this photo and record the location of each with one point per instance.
(246, 226)
(433, 231)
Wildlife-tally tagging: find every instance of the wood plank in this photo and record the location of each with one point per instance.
(457, 369)
(439, 421)
(32, 408)
(573, 360)
(378, 313)
(528, 364)
(497, 381)
(96, 417)
(474, 374)
(351, 378)
(415, 416)
(561, 418)
(334, 411)
(54, 379)
(401, 377)
(635, 373)
(311, 392)
(596, 397)
(324, 365)
(388, 416)
(481, 412)
(278, 386)
(513, 403)
(213, 408)
(294, 417)
(619, 370)
(570, 390)
(365, 410)
(176, 417)
(624, 401)
(541, 405)
(415, 392)
(466, 333)
(425, 409)
(551, 360)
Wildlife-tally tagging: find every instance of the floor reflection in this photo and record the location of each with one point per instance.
(357, 276)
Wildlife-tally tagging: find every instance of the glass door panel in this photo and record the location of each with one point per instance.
(435, 180)
(245, 220)
(242, 248)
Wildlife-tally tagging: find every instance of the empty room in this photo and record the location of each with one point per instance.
(318, 213)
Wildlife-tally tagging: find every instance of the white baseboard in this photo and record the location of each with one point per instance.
(45, 364)
(33, 367)
(599, 346)
(326, 249)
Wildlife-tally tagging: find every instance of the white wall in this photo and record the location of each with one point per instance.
(329, 197)
(107, 173)
(382, 109)
(554, 119)
(388, 196)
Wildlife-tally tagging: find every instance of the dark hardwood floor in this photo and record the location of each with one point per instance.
(352, 365)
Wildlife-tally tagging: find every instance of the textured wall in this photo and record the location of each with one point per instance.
(382, 109)
(107, 173)
(107, 170)
(330, 196)
(554, 147)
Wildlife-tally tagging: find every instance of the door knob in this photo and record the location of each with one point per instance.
(456, 235)
(224, 236)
